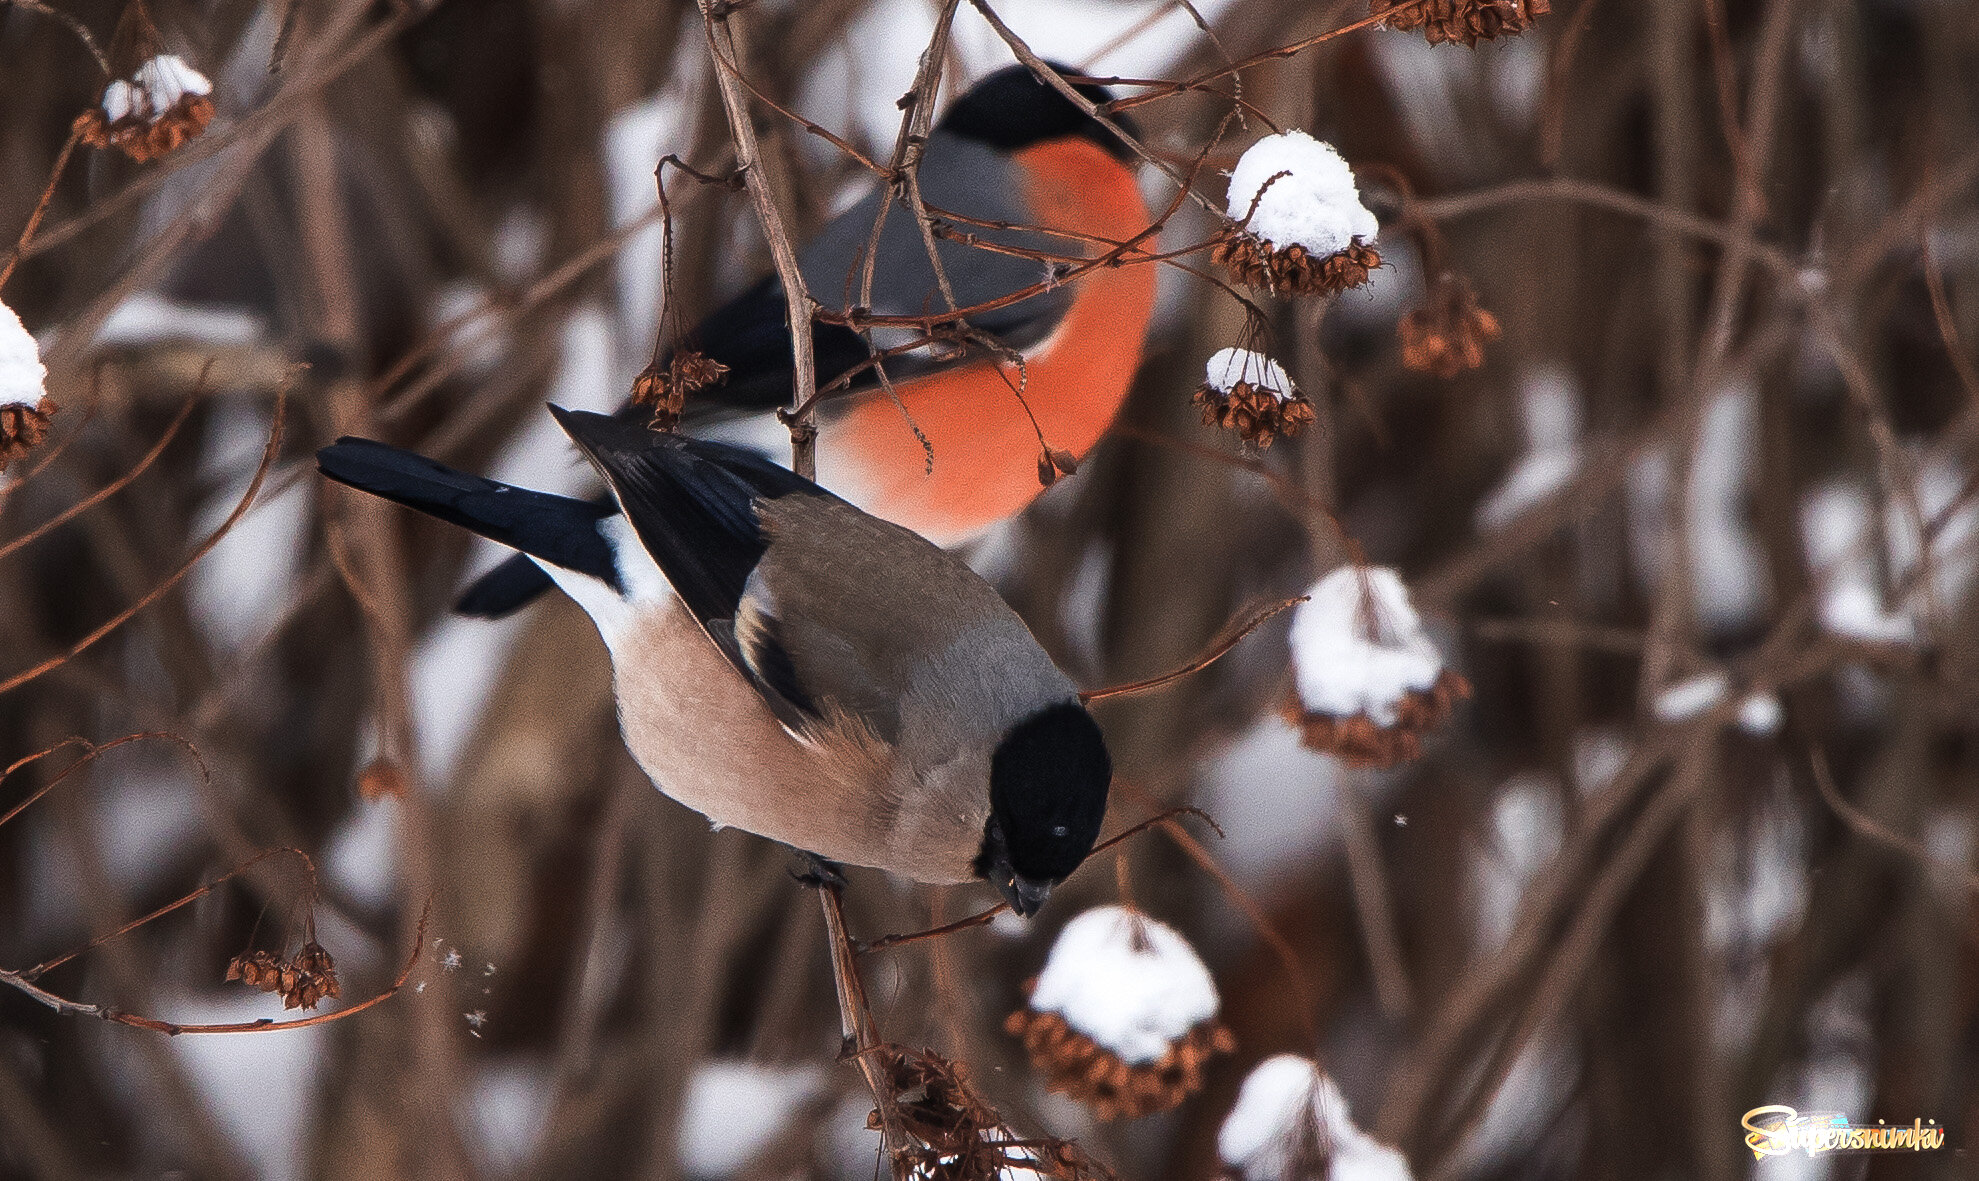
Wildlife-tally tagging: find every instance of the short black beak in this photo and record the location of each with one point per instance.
(1023, 894)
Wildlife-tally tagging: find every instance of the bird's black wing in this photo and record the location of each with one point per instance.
(692, 504)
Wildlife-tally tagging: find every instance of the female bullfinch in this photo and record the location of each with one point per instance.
(1012, 151)
(790, 665)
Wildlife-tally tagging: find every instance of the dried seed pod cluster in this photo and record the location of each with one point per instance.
(665, 388)
(1290, 1121)
(302, 981)
(953, 1135)
(149, 115)
(25, 406)
(1447, 334)
(1248, 392)
(1299, 225)
(1367, 681)
(1123, 1017)
(1464, 22)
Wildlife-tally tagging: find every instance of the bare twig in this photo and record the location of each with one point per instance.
(268, 454)
(1218, 648)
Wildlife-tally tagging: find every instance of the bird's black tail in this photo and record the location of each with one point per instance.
(557, 529)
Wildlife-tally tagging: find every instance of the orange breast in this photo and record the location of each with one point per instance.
(1074, 380)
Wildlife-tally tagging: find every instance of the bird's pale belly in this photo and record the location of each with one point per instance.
(706, 738)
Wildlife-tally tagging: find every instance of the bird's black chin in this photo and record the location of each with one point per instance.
(1025, 895)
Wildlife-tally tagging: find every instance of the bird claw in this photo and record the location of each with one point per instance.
(816, 871)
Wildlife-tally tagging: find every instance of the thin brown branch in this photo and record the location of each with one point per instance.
(202, 890)
(1867, 826)
(1217, 650)
(797, 297)
(69, 1008)
(205, 547)
(121, 482)
(41, 206)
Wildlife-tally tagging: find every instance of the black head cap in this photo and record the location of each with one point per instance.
(1013, 109)
(1048, 781)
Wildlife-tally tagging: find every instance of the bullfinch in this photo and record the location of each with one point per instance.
(787, 664)
(1011, 150)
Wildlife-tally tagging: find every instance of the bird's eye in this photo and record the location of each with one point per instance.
(1059, 830)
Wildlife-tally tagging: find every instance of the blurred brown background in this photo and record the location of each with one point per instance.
(1729, 429)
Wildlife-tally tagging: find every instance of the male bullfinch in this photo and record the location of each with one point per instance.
(790, 665)
(1011, 150)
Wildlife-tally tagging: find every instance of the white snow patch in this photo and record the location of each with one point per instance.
(1231, 366)
(1757, 883)
(361, 856)
(1761, 714)
(144, 819)
(1316, 206)
(1526, 833)
(1131, 984)
(1941, 483)
(508, 1105)
(1549, 410)
(1276, 800)
(153, 88)
(1724, 560)
(1600, 753)
(1358, 646)
(1758, 713)
(1836, 523)
(260, 1087)
(734, 1110)
(521, 242)
(474, 334)
(1688, 698)
(1727, 563)
(243, 586)
(148, 318)
(848, 1150)
(22, 376)
(1286, 1103)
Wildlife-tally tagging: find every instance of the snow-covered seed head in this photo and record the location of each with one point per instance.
(1463, 21)
(25, 406)
(1123, 1017)
(1248, 392)
(164, 103)
(1290, 1121)
(665, 388)
(1367, 681)
(1447, 334)
(1298, 225)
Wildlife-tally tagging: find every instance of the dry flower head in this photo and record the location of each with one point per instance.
(150, 114)
(1447, 334)
(1075, 1065)
(302, 981)
(665, 388)
(1464, 22)
(1360, 741)
(1293, 270)
(1368, 683)
(23, 428)
(950, 1134)
(1247, 392)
